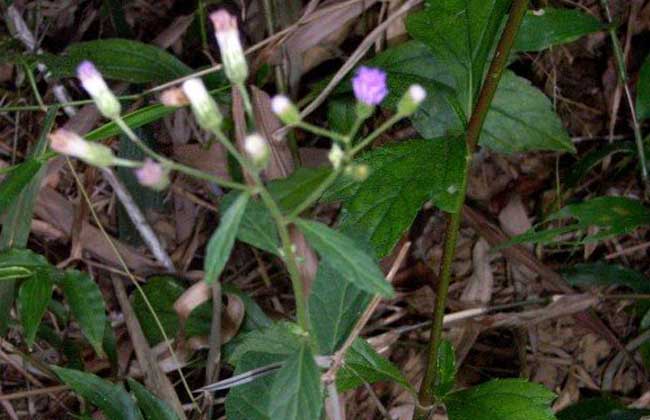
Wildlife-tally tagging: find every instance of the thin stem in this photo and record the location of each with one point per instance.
(498, 65)
(321, 132)
(378, 132)
(246, 99)
(316, 194)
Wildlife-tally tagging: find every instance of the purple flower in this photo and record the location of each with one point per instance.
(369, 85)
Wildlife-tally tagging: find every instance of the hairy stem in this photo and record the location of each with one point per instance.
(498, 65)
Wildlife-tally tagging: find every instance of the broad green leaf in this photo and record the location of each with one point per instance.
(363, 364)
(111, 399)
(33, 297)
(521, 119)
(446, 377)
(278, 339)
(87, 305)
(152, 408)
(335, 305)
(8, 274)
(223, 239)
(402, 178)
(119, 59)
(600, 409)
(612, 215)
(544, 28)
(257, 227)
(162, 292)
(135, 119)
(592, 159)
(461, 34)
(250, 401)
(512, 399)
(602, 274)
(297, 393)
(341, 114)
(643, 91)
(291, 191)
(16, 181)
(343, 255)
(16, 257)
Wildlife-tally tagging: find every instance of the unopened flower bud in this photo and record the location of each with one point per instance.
(232, 54)
(174, 97)
(285, 110)
(93, 82)
(336, 156)
(411, 100)
(257, 149)
(204, 107)
(71, 144)
(358, 172)
(153, 175)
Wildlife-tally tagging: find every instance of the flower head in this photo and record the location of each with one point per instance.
(153, 175)
(336, 156)
(70, 143)
(411, 100)
(257, 149)
(93, 83)
(203, 105)
(174, 97)
(232, 53)
(285, 109)
(369, 86)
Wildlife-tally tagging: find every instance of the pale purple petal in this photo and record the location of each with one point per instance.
(369, 85)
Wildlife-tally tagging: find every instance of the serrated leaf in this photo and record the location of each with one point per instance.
(643, 91)
(110, 398)
(16, 181)
(87, 305)
(291, 191)
(119, 59)
(222, 241)
(278, 339)
(363, 364)
(600, 409)
(512, 399)
(297, 393)
(162, 292)
(461, 34)
(342, 254)
(602, 274)
(544, 28)
(612, 215)
(250, 401)
(33, 297)
(257, 227)
(152, 408)
(335, 305)
(402, 178)
(446, 377)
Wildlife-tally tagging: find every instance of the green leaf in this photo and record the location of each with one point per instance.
(521, 118)
(278, 339)
(363, 364)
(16, 257)
(593, 158)
(643, 91)
(402, 178)
(612, 215)
(250, 401)
(341, 114)
(255, 318)
(8, 274)
(162, 292)
(544, 28)
(33, 297)
(297, 393)
(335, 305)
(291, 191)
(152, 407)
(110, 398)
(512, 399)
(446, 377)
(222, 241)
(135, 119)
(600, 409)
(87, 306)
(257, 227)
(461, 34)
(344, 256)
(119, 59)
(16, 182)
(602, 274)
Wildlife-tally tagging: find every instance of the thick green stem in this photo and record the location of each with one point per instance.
(498, 65)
